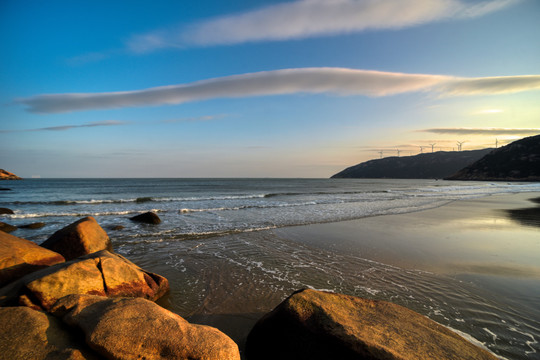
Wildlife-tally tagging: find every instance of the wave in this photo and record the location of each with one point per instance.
(80, 214)
(137, 200)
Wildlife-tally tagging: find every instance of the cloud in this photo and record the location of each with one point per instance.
(483, 131)
(491, 85)
(69, 127)
(310, 18)
(338, 81)
(194, 119)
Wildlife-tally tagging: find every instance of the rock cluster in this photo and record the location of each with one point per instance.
(96, 305)
(100, 305)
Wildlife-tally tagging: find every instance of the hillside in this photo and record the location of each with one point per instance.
(518, 161)
(435, 165)
(6, 175)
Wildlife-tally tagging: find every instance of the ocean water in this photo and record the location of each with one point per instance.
(226, 264)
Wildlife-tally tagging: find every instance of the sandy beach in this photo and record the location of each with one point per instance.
(456, 258)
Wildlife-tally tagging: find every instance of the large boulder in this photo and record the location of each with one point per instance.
(31, 334)
(147, 218)
(5, 211)
(19, 257)
(321, 325)
(128, 328)
(80, 238)
(101, 273)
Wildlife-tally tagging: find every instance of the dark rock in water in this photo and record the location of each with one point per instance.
(127, 328)
(435, 165)
(6, 211)
(4, 189)
(117, 227)
(80, 238)
(517, 161)
(37, 225)
(19, 257)
(100, 273)
(29, 334)
(143, 199)
(319, 325)
(7, 227)
(147, 218)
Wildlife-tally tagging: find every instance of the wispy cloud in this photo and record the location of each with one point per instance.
(310, 18)
(339, 81)
(483, 131)
(194, 119)
(69, 127)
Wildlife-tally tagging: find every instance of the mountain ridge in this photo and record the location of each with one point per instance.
(436, 165)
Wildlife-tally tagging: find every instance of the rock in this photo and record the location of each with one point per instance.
(31, 334)
(80, 238)
(4, 189)
(147, 218)
(117, 227)
(6, 211)
(100, 273)
(128, 328)
(19, 257)
(6, 175)
(7, 227)
(37, 225)
(321, 325)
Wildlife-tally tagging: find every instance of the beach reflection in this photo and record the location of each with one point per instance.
(526, 216)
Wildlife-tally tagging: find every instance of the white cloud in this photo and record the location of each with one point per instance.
(491, 85)
(310, 18)
(339, 81)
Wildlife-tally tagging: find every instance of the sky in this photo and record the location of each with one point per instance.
(297, 88)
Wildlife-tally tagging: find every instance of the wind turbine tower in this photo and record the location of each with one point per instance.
(432, 146)
(496, 143)
(398, 152)
(380, 153)
(459, 145)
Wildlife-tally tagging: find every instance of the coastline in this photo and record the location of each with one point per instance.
(479, 243)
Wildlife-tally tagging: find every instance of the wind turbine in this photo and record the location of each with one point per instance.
(460, 144)
(496, 143)
(380, 153)
(432, 145)
(398, 152)
(421, 149)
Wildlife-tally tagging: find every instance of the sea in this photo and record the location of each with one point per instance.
(220, 247)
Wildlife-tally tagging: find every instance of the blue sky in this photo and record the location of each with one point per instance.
(259, 88)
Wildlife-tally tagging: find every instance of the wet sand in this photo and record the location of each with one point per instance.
(495, 235)
(453, 260)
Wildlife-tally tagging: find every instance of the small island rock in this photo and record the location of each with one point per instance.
(128, 328)
(147, 218)
(83, 237)
(6, 175)
(19, 257)
(29, 334)
(100, 273)
(322, 325)
(7, 211)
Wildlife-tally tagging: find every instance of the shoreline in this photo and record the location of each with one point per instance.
(420, 240)
(481, 255)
